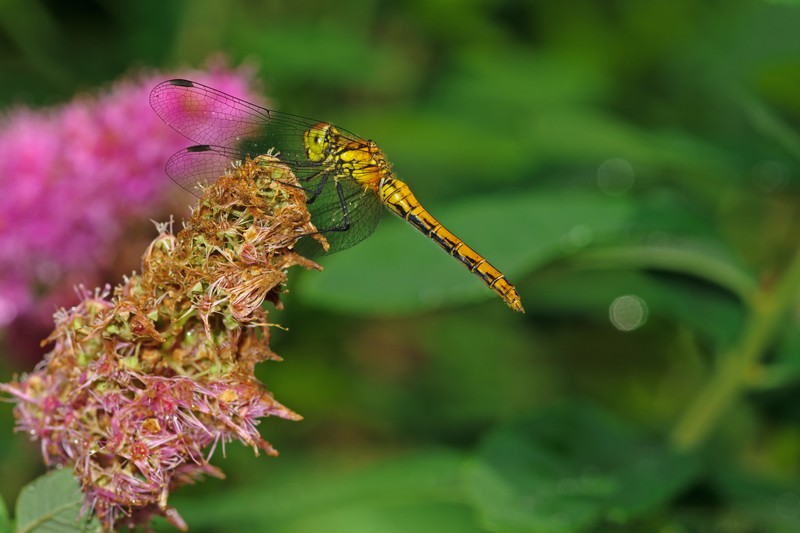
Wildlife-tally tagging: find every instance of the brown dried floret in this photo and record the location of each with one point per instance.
(140, 384)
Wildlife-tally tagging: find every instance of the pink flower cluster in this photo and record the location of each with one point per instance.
(73, 175)
(130, 434)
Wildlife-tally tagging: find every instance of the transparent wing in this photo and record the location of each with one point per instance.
(197, 167)
(363, 207)
(230, 129)
(208, 116)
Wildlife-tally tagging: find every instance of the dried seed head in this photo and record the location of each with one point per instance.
(139, 384)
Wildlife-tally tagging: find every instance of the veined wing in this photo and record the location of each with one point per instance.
(211, 117)
(363, 207)
(205, 115)
(197, 167)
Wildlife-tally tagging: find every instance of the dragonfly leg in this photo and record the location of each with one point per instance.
(345, 225)
(345, 212)
(316, 192)
(312, 194)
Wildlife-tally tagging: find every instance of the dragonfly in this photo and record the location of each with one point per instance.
(347, 179)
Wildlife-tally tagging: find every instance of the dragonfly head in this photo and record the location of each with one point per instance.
(317, 142)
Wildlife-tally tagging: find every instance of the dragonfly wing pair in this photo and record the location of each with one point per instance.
(228, 129)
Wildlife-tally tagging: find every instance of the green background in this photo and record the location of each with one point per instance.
(592, 151)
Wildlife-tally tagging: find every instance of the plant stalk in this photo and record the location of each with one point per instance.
(770, 306)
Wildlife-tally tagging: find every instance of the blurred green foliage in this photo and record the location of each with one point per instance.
(431, 407)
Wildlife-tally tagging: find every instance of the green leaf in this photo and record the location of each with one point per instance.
(419, 492)
(569, 468)
(479, 367)
(697, 259)
(785, 2)
(52, 504)
(398, 270)
(714, 314)
(785, 368)
(5, 521)
(761, 503)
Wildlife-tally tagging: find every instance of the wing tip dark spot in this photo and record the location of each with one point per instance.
(180, 82)
(199, 148)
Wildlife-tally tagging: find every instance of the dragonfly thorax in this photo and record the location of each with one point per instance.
(346, 157)
(365, 163)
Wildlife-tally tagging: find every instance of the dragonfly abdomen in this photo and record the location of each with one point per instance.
(397, 196)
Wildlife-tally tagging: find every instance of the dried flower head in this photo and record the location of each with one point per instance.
(141, 385)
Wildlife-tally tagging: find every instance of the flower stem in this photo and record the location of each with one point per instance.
(769, 308)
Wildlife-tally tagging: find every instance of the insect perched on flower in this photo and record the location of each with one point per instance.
(347, 179)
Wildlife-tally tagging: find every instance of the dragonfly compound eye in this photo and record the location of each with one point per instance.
(316, 142)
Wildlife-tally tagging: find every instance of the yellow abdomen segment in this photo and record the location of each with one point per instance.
(396, 195)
